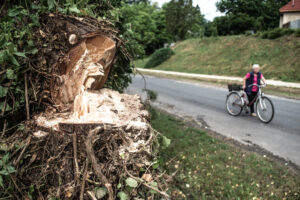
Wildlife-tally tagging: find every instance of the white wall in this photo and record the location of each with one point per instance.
(290, 16)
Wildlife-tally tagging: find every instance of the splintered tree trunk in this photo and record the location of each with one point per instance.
(89, 49)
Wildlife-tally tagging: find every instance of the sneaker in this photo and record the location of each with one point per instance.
(253, 114)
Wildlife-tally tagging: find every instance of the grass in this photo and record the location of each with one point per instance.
(233, 56)
(208, 168)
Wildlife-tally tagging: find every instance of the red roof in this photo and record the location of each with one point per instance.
(292, 6)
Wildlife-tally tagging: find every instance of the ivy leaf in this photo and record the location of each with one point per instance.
(3, 91)
(74, 9)
(10, 74)
(20, 54)
(100, 192)
(166, 141)
(123, 196)
(131, 182)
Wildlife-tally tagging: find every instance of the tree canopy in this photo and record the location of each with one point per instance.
(243, 15)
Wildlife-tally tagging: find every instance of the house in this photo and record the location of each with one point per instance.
(290, 15)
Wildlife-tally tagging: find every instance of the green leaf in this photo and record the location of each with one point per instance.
(5, 158)
(34, 51)
(7, 108)
(10, 169)
(3, 56)
(4, 172)
(30, 43)
(166, 141)
(131, 182)
(155, 164)
(21, 127)
(13, 60)
(31, 189)
(10, 74)
(13, 12)
(100, 192)
(1, 182)
(50, 4)
(20, 54)
(123, 196)
(11, 47)
(3, 91)
(153, 184)
(119, 185)
(74, 9)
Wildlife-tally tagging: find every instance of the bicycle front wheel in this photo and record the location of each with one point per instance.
(234, 104)
(265, 109)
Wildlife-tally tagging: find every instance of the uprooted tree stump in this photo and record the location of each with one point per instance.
(90, 139)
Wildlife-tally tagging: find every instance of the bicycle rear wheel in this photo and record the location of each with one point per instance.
(234, 104)
(265, 110)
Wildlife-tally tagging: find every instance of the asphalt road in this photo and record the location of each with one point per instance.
(199, 101)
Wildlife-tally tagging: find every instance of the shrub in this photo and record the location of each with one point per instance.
(247, 33)
(288, 31)
(264, 35)
(159, 56)
(275, 33)
(297, 33)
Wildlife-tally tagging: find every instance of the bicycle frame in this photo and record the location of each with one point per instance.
(258, 96)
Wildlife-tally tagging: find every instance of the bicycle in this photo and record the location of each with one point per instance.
(237, 101)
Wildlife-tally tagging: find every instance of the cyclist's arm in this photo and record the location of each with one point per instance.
(244, 80)
(263, 79)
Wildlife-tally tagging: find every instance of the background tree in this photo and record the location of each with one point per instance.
(183, 19)
(243, 15)
(144, 27)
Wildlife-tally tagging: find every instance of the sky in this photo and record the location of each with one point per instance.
(208, 7)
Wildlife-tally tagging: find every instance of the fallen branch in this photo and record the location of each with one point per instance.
(4, 129)
(74, 136)
(96, 167)
(84, 179)
(23, 150)
(26, 98)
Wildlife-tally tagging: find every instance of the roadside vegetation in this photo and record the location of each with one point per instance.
(208, 168)
(234, 55)
(159, 57)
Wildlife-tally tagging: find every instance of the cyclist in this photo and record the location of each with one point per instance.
(254, 77)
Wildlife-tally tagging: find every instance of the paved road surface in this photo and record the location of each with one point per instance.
(281, 136)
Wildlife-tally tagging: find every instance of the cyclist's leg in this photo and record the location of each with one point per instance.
(250, 98)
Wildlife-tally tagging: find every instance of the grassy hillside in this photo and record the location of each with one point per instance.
(233, 56)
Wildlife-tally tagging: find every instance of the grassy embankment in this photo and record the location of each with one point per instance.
(233, 56)
(208, 168)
